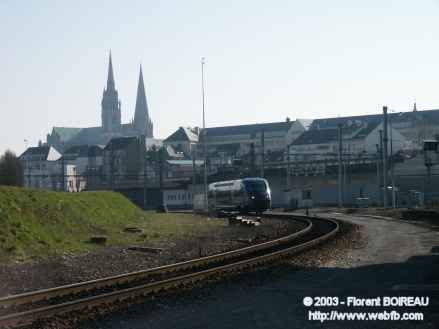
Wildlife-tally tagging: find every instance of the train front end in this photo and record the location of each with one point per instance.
(258, 194)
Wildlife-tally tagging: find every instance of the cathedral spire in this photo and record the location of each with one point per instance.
(111, 113)
(110, 79)
(142, 122)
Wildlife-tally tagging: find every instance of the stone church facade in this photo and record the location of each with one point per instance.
(111, 127)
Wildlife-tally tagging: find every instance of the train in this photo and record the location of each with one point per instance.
(247, 195)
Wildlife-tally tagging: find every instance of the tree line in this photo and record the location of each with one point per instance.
(11, 169)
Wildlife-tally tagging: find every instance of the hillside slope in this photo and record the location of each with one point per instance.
(35, 224)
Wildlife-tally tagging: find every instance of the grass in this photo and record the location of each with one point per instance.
(37, 224)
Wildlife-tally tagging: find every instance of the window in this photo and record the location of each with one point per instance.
(306, 194)
(255, 186)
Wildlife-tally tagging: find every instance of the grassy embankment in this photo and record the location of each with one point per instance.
(42, 223)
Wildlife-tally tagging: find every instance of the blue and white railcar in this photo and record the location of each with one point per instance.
(243, 195)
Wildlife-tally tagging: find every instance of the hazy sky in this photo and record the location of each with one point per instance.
(266, 60)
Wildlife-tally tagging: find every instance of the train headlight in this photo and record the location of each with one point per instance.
(252, 197)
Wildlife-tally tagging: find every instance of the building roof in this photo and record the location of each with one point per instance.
(365, 131)
(316, 136)
(38, 150)
(45, 152)
(66, 133)
(89, 136)
(325, 123)
(120, 142)
(306, 123)
(182, 134)
(83, 151)
(321, 136)
(249, 129)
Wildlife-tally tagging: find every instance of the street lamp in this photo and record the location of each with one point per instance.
(204, 133)
(392, 176)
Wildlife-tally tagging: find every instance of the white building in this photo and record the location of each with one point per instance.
(178, 198)
(229, 143)
(238, 140)
(87, 161)
(357, 140)
(183, 140)
(41, 168)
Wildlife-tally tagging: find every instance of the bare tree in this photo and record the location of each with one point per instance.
(11, 169)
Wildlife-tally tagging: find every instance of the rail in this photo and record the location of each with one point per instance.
(283, 244)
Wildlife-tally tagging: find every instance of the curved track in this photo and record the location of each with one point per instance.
(24, 309)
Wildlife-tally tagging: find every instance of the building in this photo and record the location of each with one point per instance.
(238, 139)
(182, 169)
(226, 144)
(41, 168)
(358, 139)
(178, 198)
(124, 162)
(111, 126)
(414, 125)
(88, 162)
(184, 140)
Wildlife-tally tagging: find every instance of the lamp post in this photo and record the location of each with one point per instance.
(340, 161)
(204, 132)
(392, 176)
(385, 157)
(392, 180)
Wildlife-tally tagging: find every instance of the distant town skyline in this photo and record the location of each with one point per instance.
(264, 62)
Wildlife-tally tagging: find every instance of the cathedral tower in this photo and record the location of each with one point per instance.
(110, 104)
(142, 122)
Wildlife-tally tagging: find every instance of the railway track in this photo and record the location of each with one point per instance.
(24, 309)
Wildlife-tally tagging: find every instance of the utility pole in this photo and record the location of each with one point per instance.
(381, 160)
(252, 159)
(161, 160)
(204, 134)
(378, 178)
(145, 176)
(111, 168)
(262, 152)
(340, 172)
(385, 156)
(194, 176)
(63, 175)
(288, 167)
(392, 176)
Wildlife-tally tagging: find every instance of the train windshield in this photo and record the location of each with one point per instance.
(255, 186)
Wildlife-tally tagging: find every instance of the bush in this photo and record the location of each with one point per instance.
(11, 170)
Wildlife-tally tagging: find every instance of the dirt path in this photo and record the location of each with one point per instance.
(387, 241)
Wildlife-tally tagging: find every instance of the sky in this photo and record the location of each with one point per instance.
(265, 61)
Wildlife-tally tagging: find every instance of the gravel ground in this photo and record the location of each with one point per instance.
(372, 258)
(70, 268)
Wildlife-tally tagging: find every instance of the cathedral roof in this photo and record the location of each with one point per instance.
(66, 133)
(89, 136)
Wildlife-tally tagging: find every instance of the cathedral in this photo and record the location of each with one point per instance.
(141, 125)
